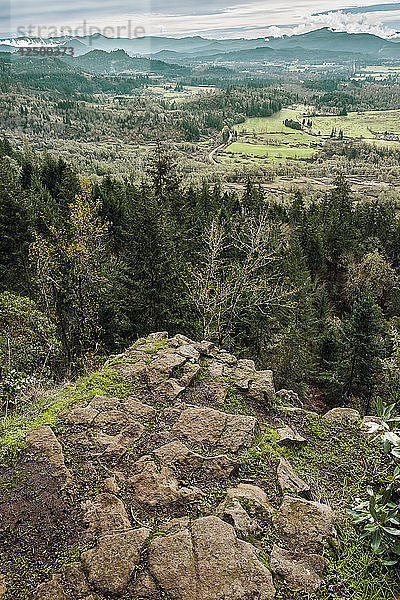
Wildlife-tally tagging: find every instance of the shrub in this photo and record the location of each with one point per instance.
(28, 344)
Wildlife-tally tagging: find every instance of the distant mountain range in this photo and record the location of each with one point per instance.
(118, 61)
(322, 44)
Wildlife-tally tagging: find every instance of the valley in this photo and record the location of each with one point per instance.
(200, 312)
(269, 139)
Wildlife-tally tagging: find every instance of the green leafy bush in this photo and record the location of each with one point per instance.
(28, 345)
(380, 514)
(28, 339)
(380, 518)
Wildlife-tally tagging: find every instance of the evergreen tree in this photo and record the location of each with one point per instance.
(14, 232)
(362, 331)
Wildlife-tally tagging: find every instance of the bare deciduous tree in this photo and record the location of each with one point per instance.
(236, 274)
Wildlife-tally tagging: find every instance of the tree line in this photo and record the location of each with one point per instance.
(309, 288)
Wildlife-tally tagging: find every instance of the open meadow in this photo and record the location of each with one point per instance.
(272, 140)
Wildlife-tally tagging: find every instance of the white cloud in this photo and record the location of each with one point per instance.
(212, 17)
(352, 23)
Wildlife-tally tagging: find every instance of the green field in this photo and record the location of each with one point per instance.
(273, 124)
(356, 125)
(271, 152)
(379, 73)
(269, 139)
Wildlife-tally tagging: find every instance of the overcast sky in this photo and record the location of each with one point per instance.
(211, 18)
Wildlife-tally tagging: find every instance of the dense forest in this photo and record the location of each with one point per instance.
(146, 118)
(309, 286)
(200, 318)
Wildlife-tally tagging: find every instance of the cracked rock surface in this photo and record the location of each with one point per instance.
(165, 504)
(208, 562)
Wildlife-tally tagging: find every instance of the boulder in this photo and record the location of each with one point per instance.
(51, 590)
(162, 366)
(227, 358)
(206, 348)
(259, 385)
(208, 562)
(243, 374)
(177, 455)
(81, 415)
(158, 486)
(288, 480)
(145, 587)
(158, 336)
(112, 563)
(169, 390)
(113, 417)
(218, 391)
(220, 467)
(190, 370)
(106, 514)
(233, 512)
(262, 387)
(131, 369)
(180, 340)
(43, 441)
(252, 497)
(175, 525)
(342, 415)
(102, 403)
(239, 433)
(305, 526)
(111, 486)
(300, 572)
(189, 352)
(288, 437)
(215, 368)
(137, 409)
(117, 445)
(221, 430)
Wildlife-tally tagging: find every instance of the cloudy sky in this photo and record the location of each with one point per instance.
(211, 18)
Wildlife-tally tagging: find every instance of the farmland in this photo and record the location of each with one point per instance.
(270, 139)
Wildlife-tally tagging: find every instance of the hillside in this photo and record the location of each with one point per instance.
(326, 39)
(175, 472)
(187, 49)
(118, 61)
(285, 55)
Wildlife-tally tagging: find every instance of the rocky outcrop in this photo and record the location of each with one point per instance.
(300, 572)
(304, 525)
(208, 562)
(342, 415)
(112, 563)
(229, 433)
(177, 455)
(289, 481)
(157, 486)
(43, 441)
(174, 452)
